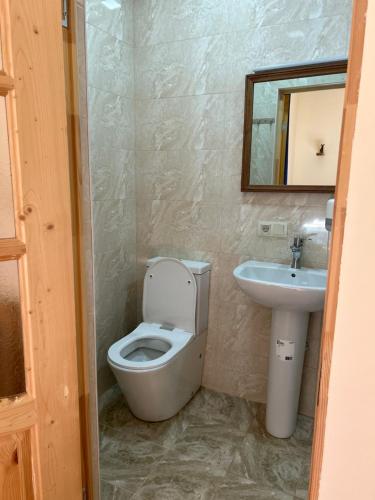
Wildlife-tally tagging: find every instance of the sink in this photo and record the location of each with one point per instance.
(292, 294)
(279, 286)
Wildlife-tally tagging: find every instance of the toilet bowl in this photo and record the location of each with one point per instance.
(159, 365)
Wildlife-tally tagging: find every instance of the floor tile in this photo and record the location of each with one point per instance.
(215, 448)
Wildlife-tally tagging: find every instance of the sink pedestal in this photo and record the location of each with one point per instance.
(287, 352)
(292, 294)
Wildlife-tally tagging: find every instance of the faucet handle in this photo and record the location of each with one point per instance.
(308, 236)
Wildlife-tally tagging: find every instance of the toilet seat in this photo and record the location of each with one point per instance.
(176, 338)
(170, 295)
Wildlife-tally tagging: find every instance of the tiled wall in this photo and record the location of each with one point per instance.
(165, 116)
(191, 58)
(111, 123)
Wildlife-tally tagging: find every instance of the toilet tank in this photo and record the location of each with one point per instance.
(202, 273)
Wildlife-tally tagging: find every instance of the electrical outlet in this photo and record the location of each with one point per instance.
(264, 228)
(275, 229)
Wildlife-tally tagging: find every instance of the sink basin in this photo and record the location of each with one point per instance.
(278, 286)
(292, 294)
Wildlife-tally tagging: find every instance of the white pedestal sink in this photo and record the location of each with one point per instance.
(292, 294)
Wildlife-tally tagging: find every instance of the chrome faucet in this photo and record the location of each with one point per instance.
(296, 252)
(297, 249)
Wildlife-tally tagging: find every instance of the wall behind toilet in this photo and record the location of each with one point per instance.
(111, 127)
(191, 58)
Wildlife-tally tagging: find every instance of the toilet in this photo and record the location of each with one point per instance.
(159, 365)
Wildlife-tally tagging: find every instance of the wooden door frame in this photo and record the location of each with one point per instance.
(48, 414)
(347, 134)
(75, 78)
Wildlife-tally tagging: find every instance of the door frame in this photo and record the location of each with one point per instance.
(349, 116)
(77, 133)
(342, 184)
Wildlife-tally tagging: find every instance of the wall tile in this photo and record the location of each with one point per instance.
(310, 40)
(110, 63)
(117, 22)
(189, 67)
(113, 173)
(111, 124)
(112, 220)
(246, 14)
(169, 20)
(176, 123)
(191, 175)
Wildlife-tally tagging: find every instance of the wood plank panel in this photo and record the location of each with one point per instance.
(11, 249)
(347, 134)
(10, 478)
(17, 414)
(15, 467)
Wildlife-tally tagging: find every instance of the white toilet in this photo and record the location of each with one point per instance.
(159, 365)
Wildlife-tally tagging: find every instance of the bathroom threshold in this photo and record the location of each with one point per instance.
(215, 448)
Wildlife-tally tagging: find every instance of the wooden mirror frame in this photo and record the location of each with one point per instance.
(284, 73)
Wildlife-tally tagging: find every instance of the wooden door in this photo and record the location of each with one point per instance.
(40, 454)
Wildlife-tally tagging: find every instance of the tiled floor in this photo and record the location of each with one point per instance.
(215, 448)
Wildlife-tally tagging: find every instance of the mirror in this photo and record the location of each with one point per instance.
(292, 128)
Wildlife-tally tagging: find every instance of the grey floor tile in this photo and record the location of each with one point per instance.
(216, 448)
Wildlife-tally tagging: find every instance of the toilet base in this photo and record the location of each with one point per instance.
(158, 394)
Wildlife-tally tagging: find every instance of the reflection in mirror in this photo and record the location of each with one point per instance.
(7, 229)
(292, 129)
(12, 373)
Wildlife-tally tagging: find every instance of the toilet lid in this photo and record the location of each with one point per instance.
(169, 295)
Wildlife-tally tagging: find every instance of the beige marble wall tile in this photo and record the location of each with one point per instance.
(191, 175)
(117, 21)
(187, 67)
(250, 13)
(112, 66)
(171, 20)
(113, 173)
(195, 122)
(111, 119)
(111, 126)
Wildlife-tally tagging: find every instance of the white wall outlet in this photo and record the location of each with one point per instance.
(274, 229)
